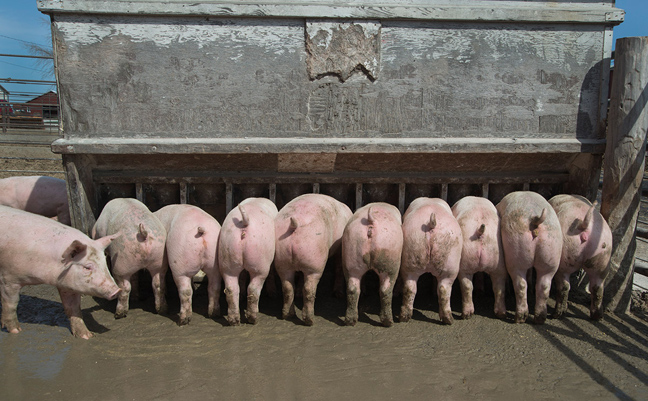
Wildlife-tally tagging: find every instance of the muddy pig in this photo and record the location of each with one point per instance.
(37, 250)
(432, 242)
(587, 244)
(308, 230)
(372, 240)
(141, 246)
(42, 195)
(481, 251)
(531, 237)
(247, 242)
(192, 237)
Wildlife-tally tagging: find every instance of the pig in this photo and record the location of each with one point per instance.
(587, 244)
(191, 241)
(481, 251)
(372, 240)
(432, 242)
(531, 237)
(308, 230)
(37, 250)
(46, 196)
(141, 246)
(247, 242)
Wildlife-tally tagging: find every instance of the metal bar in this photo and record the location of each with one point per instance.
(183, 193)
(272, 192)
(34, 171)
(139, 192)
(444, 191)
(316, 188)
(526, 186)
(401, 197)
(228, 197)
(358, 195)
(485, 188)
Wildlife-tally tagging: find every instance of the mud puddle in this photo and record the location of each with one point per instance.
(148, 357)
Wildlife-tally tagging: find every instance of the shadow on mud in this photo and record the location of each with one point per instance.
(33, 310)
(618, 329)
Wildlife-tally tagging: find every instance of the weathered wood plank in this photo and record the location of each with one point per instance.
(624, 164)
(129, 145)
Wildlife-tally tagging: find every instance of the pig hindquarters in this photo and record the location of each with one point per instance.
(587, 244)
(481, 252)
(43, 195)
(307, 230)
(247, 242)
(192, 237)
(531, 237)
(141, 246)
(372, 240)
(37, 250)
(432, 242)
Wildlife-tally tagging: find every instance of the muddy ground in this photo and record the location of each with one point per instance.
(148, 357)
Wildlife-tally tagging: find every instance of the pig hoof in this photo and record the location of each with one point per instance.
(350, 321)
(540, 319)
(447, 320)
(308, 321)
(500, 315)
(250, 317)
(387, 322)
(15, 330)
(120, 315)
(466, 316)
(233, 321)
(184, 321)
(521, 317)
(162, 310)
(405, 317)
(287, 314)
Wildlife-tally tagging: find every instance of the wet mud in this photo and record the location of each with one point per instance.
(149, 357)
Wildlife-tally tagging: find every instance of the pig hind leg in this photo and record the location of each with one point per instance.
(409, 293)
(10, 297)
(232, 291)
(387, 282)
(185, 292)
(466, 283)
(562, 286)
(72, 305)
(254, 293)
(596, 305)
(159, 291)
(311, 281)
(213, 291)
(288, 288)
(353, 295)
(444, 291)
(543, 286)
(499, 279)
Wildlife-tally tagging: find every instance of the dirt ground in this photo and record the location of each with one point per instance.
(148, 357)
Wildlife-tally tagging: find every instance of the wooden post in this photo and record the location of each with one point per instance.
(624, 165)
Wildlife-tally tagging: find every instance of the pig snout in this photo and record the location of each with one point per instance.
(114, 294)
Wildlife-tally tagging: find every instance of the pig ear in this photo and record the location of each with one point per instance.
(103, 242)
(73, 250)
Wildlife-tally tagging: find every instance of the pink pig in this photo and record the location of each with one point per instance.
(531, 237)
(247, 242)
(141, 246)
(587, 244)
(308, 230)
(372, 240)
(42, 195)
(37, 250)
(481, 252)
(432, 242)
(192, 237)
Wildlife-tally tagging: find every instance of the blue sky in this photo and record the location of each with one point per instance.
(20, 19)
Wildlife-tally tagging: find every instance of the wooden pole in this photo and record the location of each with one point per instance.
(623, 165)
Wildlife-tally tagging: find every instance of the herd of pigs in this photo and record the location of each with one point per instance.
(556, 237)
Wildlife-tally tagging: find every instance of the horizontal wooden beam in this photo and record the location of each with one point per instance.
(256, 177)
(128, 145)
(443, 10)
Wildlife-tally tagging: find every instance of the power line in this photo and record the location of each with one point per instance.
(20, 40)
(21, 66)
